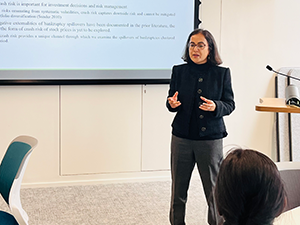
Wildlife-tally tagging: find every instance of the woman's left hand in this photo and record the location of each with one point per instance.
(207, 105)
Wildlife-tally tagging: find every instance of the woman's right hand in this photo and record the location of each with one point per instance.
(173, 101)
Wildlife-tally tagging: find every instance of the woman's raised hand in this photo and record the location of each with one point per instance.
(173, 101)
(208, 105)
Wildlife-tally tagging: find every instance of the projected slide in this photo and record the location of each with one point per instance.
(88, 39)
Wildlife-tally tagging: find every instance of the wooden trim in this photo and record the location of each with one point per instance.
(275, 105)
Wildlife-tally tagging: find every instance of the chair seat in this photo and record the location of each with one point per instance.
(7, 219)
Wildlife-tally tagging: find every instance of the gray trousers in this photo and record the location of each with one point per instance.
(185, 153)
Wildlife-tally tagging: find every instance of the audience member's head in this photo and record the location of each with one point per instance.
(249, 190)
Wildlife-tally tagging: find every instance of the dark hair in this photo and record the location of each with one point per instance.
(249, 189)
(213, 57)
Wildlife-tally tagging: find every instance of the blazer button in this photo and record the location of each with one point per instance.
(201, 116)
(199, 91)
(203, 128)
(200, 79)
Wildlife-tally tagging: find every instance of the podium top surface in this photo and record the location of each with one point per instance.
(275, 105)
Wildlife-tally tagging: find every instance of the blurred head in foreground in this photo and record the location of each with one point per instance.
(249, 189)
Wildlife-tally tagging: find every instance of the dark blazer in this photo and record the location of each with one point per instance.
(215, 85)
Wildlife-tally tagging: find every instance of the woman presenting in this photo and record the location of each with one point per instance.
(201, 94)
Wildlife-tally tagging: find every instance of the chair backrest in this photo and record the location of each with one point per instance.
(290, 174)
(12, 170)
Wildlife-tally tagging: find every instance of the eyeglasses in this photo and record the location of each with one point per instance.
(199, 45)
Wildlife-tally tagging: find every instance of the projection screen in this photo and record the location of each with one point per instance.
(93, 42)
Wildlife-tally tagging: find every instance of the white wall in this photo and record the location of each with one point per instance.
(250, 34)
(89, 134)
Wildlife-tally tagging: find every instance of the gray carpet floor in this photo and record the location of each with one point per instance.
(113, 204)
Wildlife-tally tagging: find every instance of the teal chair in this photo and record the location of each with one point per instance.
(12, 169)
